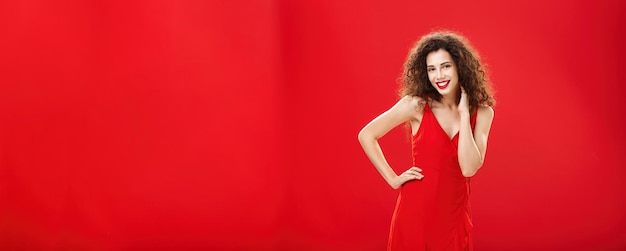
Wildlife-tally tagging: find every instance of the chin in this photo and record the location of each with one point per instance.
(444, 92)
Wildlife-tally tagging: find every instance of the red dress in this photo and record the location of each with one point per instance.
(433, 213)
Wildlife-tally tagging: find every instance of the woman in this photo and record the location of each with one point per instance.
(447, 102)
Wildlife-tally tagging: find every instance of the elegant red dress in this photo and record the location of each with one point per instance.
(433, 213)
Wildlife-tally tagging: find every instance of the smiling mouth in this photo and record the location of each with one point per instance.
(442, 84)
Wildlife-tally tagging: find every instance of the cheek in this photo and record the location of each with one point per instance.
(453, 74)
(431, 76)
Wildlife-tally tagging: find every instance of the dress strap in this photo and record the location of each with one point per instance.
(426, 105)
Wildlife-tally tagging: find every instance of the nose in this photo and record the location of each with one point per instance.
(439, 73)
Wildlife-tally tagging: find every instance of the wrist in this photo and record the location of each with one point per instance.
(392, 181)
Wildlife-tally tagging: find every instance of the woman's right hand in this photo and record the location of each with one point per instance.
(413, 173)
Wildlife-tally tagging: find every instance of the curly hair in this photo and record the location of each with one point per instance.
(472, 76)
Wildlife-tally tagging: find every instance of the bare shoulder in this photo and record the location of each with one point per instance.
(412, 105)
(410, 108)
(485, 111)
(414, 102)
(485, 114)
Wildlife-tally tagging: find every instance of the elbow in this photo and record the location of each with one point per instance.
(468, 173)
(366, 139)
(470, 166)
(363, 136)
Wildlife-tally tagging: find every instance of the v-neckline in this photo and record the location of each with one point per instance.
(439, 124)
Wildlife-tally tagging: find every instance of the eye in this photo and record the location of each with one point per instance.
(430, 69)
(447, 66)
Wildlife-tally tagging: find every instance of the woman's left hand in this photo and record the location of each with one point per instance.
(464, 103)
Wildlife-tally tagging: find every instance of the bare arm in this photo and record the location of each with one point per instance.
(473, 145)
(403, 111)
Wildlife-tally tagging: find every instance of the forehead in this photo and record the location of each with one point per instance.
(438, 57)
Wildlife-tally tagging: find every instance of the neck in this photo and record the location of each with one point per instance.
(450, 101)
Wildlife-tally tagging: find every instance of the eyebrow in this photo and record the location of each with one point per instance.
(439, 64)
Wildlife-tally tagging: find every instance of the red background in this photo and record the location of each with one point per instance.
(231, 125)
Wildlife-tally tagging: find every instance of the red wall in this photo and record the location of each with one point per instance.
(193, 125)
